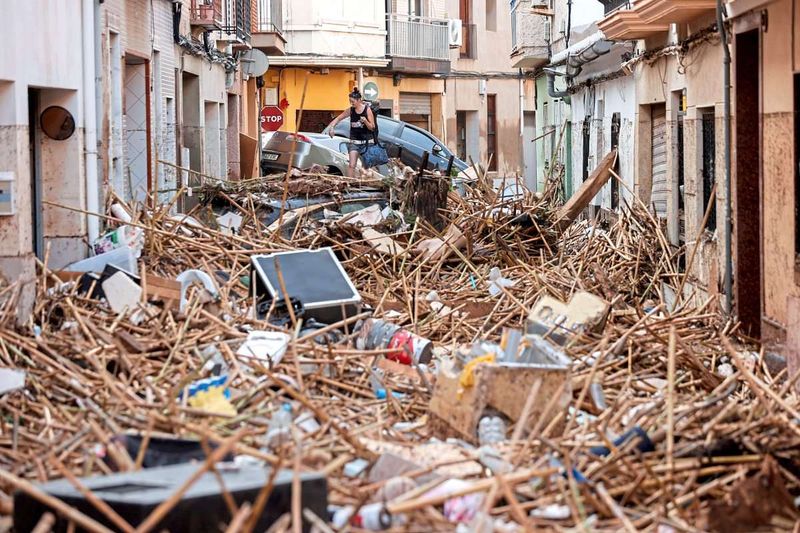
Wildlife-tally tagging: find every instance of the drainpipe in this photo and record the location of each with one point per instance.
(521, 104)
(551, 86)
(726, 126)
(90, 118)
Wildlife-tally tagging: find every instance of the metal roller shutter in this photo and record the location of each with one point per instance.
(659, 160)
(415, 104)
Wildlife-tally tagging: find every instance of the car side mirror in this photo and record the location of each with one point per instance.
(437, 148)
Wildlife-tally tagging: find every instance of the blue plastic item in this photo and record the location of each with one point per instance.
(645, 444)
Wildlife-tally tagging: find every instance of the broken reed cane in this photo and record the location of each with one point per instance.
(289, 168)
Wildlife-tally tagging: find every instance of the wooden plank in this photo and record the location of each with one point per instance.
(161, 289)
(583, 196)
(248, 150)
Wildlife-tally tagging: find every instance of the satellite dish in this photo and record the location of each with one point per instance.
(254, 63)
(57, 123)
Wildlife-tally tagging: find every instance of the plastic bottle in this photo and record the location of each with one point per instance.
(280, 427)
(491, 430)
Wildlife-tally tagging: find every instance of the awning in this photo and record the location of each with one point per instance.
(327, 61)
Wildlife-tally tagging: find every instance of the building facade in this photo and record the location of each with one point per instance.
(404, 55)
(681, 156)
(111, 99)
(46, 158)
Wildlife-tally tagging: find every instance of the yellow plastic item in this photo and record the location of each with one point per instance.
(467, 377)
(213, 401)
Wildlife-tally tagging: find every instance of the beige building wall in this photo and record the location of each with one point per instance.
(781, 282)
(51, 71)
(663, 82)
(491, 63)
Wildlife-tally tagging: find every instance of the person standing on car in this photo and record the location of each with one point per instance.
(362, 125)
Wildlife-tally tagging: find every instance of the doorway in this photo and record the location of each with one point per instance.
(747, 221)
(529, 149)
(461, 135)
(138, 142)
(191, 134)
(658, 161)
(35, 147)
(586, 131)
(491, 131)
(615, 126)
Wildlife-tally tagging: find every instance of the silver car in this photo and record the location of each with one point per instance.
(309, 149)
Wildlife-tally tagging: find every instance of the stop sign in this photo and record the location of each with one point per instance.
(271, 118)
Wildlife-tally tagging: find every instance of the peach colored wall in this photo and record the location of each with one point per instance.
(778, 163)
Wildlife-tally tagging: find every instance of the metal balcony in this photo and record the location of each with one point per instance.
(417, 37)
(268, 28)
(206, 14)
(236, 21)
(613, 5)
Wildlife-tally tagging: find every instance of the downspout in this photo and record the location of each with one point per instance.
(90, 119)
(726, 126)
(521, 104)
(100, 110)
(569, 23)
(551, 86)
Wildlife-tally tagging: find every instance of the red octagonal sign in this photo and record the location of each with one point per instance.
(271, 118)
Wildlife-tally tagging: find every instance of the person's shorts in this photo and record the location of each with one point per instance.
(361, 148)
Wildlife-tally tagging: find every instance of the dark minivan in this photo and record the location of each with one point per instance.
(409, 142)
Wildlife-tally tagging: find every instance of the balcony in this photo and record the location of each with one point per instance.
(418, 44)
(677, 11)
(236, 23)
(649, 17)
(529, 36)
(268, 28)
(206, 14)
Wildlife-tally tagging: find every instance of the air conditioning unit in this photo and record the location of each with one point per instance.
(454, 33)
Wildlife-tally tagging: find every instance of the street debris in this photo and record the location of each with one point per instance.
(384, 379)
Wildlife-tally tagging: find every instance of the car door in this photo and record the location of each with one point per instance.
(417, 141)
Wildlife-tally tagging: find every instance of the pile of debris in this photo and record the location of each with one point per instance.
(492, 369)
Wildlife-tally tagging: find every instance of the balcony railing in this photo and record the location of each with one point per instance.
(417, 37)
(206, 14)
(236, 21)
(613, 5)
(270, 16)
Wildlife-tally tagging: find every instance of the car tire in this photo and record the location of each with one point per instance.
(334, 171)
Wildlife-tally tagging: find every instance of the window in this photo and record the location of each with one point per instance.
(416, 137)
(491, 15)
(708, 170)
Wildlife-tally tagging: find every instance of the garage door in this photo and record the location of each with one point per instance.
(415, 108)
(415, 104)
(659, 160)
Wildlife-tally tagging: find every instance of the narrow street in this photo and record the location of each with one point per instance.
(365, 266)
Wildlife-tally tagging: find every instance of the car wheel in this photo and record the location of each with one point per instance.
(335, 171)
